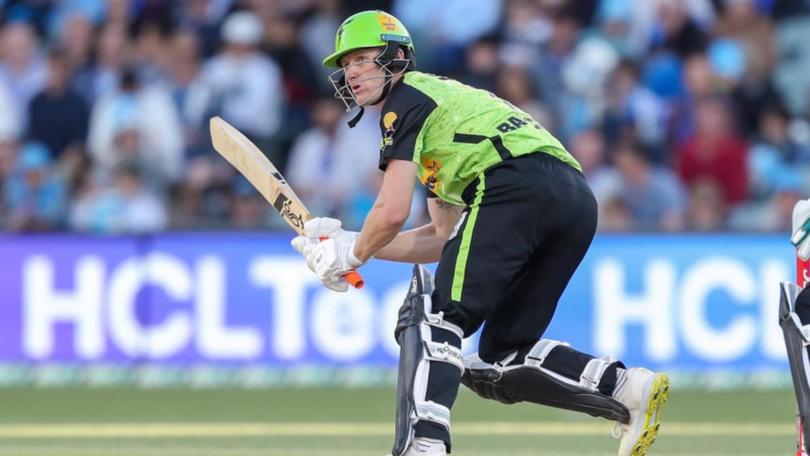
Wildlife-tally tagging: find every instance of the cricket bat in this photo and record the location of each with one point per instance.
(257, 169)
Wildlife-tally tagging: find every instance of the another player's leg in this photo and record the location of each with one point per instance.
(794, 318)
(430, 366)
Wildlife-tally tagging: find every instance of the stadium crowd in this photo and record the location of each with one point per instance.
(686, 115)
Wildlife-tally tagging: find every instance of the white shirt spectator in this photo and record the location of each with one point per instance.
(10, 117)
(21, 67)
(245, 91)
(240, 84)
(457, 22)
(328, 170)
(150, 113)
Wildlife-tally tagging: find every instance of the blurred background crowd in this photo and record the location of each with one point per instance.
(687, 115)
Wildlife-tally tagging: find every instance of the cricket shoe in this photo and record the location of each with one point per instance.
(422, 446)
(644, 393)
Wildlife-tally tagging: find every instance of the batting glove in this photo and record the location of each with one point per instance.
(325, 227)
(332, 259)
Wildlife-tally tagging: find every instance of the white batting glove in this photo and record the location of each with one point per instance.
(338, 285)
(325, 227)
(332, 259)
(305, 246)
(300, 243)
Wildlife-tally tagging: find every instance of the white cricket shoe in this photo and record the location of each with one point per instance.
(644, 393)
(422, 446)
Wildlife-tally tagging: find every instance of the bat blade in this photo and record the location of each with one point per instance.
(240, 152)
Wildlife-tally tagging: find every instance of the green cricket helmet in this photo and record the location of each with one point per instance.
(367, 29)
(370, 29)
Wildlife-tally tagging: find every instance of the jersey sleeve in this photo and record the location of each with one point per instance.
(402, 119)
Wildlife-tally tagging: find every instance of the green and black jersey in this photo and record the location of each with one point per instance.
(453, 132)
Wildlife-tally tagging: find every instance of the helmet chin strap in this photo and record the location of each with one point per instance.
(354, 120)
(385, 59)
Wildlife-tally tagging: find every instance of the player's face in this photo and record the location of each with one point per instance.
(363, 75)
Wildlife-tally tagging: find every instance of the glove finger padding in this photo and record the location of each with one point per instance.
(299, 243)
(339, 285)
(319, 227)
(310, 258)
(324, 260)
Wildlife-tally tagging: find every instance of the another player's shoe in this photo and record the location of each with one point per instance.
(644, 393)
(422, 446)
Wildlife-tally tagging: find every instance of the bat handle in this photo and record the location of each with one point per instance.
(353, 277)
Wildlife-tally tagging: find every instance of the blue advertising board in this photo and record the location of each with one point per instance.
(682, 303)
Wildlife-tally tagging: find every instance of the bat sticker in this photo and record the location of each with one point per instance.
(280, 178)
(282, 205)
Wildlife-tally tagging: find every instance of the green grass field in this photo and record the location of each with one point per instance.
(316, 422)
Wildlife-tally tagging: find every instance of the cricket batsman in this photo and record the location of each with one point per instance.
(511, 217)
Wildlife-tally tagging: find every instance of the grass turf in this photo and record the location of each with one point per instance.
(314, 422)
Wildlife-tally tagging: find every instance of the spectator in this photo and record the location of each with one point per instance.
(700, 82)
(481, 64)
(10, 117)
(328, 164)
(101, 77)
(126, 207)
(58, 116)
(298, 78)
(139, 126)
(441, 33)
(150, 54)
(34, 195)
(183, 69)
(632, 109)
(318, 34)
(776, 213)
(76, 36)
(773, 153)
(715, 151)
(248, 208)
(790, 75)
(202, 200)
(745, 45)
(21, 67)
(525, 30)
(547, 71)
(514, 85)
(707, 209)
(653, 195)
(202, 17)
(588, 147)
(742, 23)
(584, 76)
(240, 83)
(675, 76)
(614, 215)
(677, 31)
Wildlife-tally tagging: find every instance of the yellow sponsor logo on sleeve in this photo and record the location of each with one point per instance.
(388, 120)
(429, 174)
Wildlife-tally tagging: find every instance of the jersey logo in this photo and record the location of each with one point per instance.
(514, 122)
(430, 168)
(388, 123)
